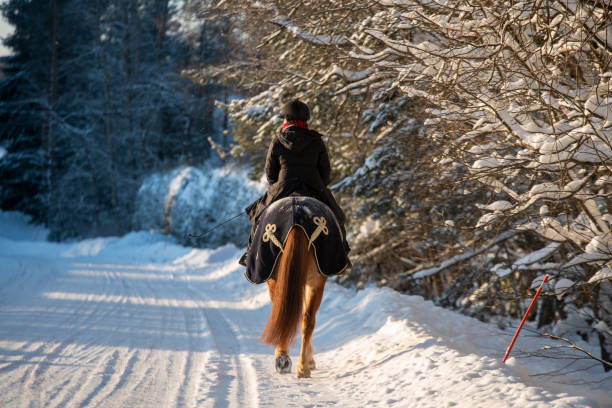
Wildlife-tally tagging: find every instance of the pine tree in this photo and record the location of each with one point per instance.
(24, 107)
(93, 102)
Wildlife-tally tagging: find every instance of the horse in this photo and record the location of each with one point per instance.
(298, 244)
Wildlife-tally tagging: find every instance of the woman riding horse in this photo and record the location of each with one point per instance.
(297, 164)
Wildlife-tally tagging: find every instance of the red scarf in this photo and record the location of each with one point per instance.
(299, 123)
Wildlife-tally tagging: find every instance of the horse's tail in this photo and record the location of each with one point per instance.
(288, 292)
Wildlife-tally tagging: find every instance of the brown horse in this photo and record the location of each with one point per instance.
(296, 290)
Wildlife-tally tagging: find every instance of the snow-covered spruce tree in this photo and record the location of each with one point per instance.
(24, 108)
(90, 115)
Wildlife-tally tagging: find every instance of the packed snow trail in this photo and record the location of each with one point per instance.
(136, 322)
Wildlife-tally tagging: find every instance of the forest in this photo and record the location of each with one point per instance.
(471, 142)
(93, 101)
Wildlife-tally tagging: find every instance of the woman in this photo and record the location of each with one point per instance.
(297, 164)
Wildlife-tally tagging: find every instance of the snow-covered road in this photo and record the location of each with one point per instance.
(136, 322)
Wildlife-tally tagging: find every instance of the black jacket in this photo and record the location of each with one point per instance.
(297, 164)
(295, 154)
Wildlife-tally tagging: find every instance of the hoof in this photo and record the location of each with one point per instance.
(312, 365)
(283, 364)
(303, 373)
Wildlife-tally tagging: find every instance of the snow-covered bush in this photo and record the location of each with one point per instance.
(188, 201)
(516, 104)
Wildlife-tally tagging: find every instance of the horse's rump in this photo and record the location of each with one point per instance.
(320, 227)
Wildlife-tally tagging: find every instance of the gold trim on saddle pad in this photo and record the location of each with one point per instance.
(321, 224)
(269, 236)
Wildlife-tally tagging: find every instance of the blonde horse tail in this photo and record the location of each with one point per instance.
(288, 294)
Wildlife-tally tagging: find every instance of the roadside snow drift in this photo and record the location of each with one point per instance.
(140, 322)
(189, 201)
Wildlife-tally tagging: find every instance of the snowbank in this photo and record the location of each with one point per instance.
(188, 201)
(17, 227)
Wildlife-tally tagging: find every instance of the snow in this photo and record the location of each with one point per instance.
(16, 226)
(347, 75)
(543, 188)
(604, 273)
(6, 29)
(531, 262)
(600, 244)
(305, 35)
(486, 163)
(188, 201)
(486, 219)
(501, 272)
(538, 255)
(537, 281)
(558, 145)
(500, 205)
(585, 258)
(562, 285)
(137, 321)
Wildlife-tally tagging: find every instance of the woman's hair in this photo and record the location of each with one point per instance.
(295, 110)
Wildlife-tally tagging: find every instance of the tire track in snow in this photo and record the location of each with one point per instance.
(13, 295)
(227, 361)
(109, 370)
(100, 313)
(194, 324)
(169, 365)
(26, 357)
(78, 323)
(186, 364)
(118, 376)
(235, 374)
(84, 331)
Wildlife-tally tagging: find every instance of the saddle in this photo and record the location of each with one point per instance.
(318, 223)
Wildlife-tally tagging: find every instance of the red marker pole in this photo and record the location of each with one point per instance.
(524, 318)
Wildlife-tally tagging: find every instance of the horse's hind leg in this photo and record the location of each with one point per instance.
(312, 300)
(282, 361)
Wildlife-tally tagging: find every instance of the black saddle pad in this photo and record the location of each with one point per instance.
(318, 222)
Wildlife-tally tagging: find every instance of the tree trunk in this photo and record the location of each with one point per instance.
(161, 23)
(49, 162)
(128, 61)
(108, 132)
